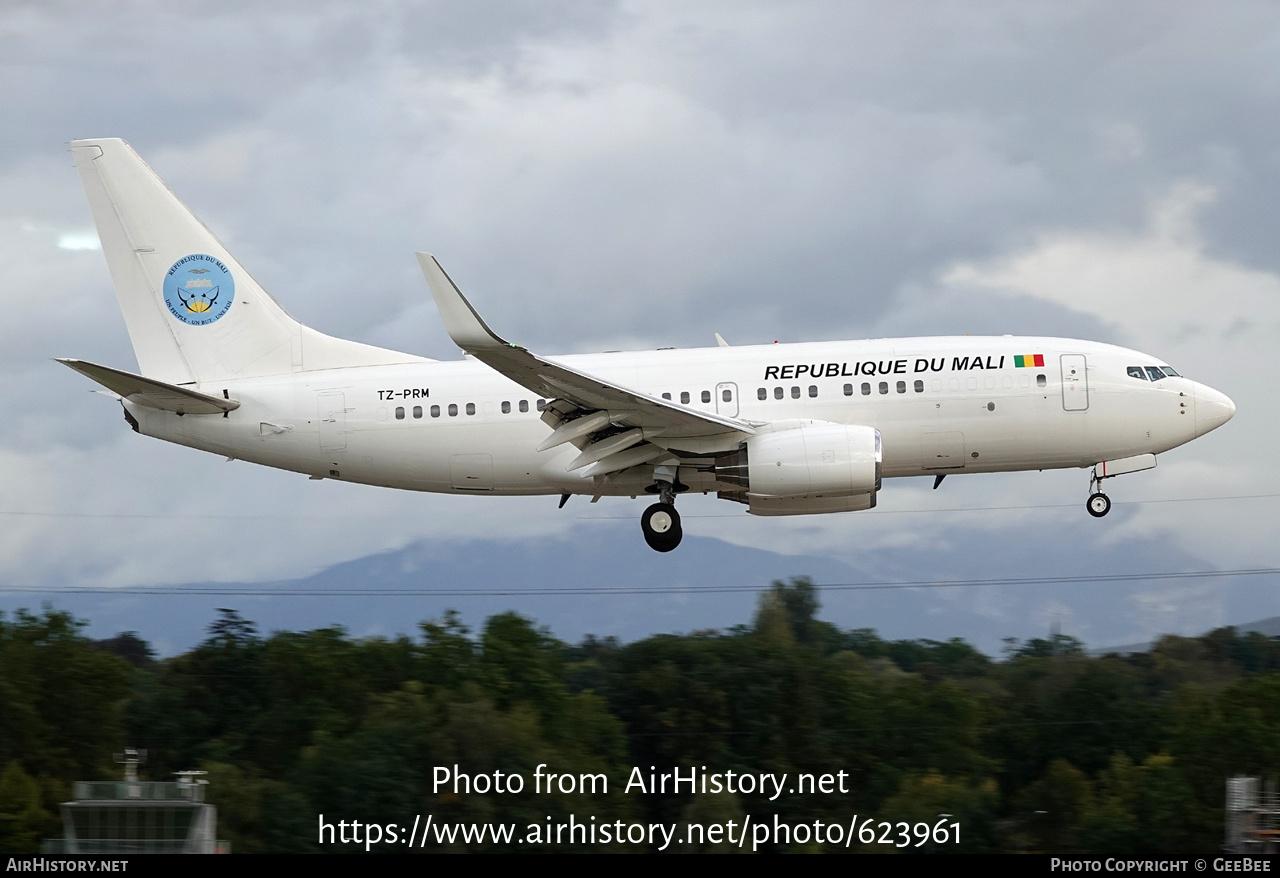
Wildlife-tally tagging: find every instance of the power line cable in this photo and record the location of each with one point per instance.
(200, 516)
(278, 591)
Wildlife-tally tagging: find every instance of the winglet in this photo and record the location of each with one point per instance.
(467, 329)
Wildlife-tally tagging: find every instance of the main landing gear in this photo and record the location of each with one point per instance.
(661, 526)
(660, 522)
(1098, 504)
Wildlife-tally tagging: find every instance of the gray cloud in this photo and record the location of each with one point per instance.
(619, 175)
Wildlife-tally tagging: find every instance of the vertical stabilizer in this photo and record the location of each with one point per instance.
(194, 314)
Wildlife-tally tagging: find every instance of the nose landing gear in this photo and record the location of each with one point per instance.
(1098, 504)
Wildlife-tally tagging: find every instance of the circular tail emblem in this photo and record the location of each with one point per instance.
(198, 289)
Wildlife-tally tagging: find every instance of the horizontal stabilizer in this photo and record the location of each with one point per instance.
(151, 393)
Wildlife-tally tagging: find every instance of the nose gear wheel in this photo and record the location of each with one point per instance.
(1098, 505)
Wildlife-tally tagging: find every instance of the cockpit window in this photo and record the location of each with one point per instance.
(1169, 371)
(1155, 372)
(1136, 372)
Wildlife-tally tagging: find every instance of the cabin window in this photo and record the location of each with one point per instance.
(919, 386)
(1155, 372)
(542, 404)
(417, 411)
(399, 413)
(777, 393)
(706, 396)
(813, 390)
(684, 397)
(1136, 372)
(726, 395)
(866, 389)
(471, 408)
(506, 407)
(1040, 382)
(1169, 371)
(666, 396)
(435, 411)
(453, 409)
(848, 390)
(902, 387)
(795, 392)
(762, 393)
(524, 405)
(884, 386)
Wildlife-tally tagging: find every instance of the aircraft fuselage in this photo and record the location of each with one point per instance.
(942, 406)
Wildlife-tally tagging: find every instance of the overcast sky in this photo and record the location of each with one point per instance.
(633, 175)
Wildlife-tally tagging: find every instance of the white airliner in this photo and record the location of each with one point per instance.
(786, 429)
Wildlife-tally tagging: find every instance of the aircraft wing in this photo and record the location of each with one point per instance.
(151, 393)
(554, 380)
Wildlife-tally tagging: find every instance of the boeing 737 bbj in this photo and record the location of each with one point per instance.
(785, 429)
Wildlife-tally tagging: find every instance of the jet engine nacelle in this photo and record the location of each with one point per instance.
(813, 465)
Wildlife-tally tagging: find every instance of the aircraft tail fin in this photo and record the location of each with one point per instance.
(194, 314)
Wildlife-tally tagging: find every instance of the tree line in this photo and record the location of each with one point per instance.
(1044, 748)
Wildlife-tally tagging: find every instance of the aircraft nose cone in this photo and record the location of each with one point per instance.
(1213, 409)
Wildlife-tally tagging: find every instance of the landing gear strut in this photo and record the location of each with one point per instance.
(1098, 504)
(660, 522)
